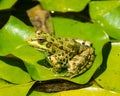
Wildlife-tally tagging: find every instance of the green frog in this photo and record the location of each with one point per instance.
(65, 55)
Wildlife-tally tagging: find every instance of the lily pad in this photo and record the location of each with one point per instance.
(15, 90)
(107, 17)
(13, 70)
(75, 29)
(4, 4)
(64, 5)
(98, 8)
(110, 78)
(13, 41)
(85, 31)
(13, 35)
(18, 32)
(89, 91)
(3, 82)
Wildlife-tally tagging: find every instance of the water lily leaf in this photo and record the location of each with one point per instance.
(33, 61)
(89, 91)
(64, 5)
(98, 8)
(74, 29)
(18, 32)
(4, 4)
(13, 35)
(85, 31)
(36, 93)
(3, 83)
(15, 90)
(13, 41)
(110, 78)
(107, 17)
(13, 70)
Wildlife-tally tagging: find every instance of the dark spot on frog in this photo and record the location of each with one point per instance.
(66, 39)
(62, 54)
(53, 50)
(66, 52)
(59, 54)
(118, 54)
(70, 54)
(64, 60)
(52, 39)
(61, 47)
(70, 46)
(61, 42)
(48, 45)
(59, 38)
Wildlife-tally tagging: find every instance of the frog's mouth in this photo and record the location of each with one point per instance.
(35, 43)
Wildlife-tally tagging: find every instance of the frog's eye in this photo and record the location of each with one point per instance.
(41, 40)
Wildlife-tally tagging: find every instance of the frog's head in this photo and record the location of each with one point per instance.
(40, 40)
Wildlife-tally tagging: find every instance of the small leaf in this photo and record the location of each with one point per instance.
(13, 41)
(13, 35)
(107, 17)
(98, 8)
(4, 4)
(36, 93)
(64, 5)
(110, 78)
(15, 90)
(13, 70)
(89, 91)
(3, 83)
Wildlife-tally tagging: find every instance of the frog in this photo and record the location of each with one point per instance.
(66, 55)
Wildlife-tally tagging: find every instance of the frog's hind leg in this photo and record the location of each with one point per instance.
(81, 63)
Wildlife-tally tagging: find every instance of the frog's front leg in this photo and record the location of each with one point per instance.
(81, 62)
(59, 61)
(55, 66)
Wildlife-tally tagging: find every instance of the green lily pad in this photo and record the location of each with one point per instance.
(98, 8)
(36, 93)
(64, 5)
(13, 35)
(85, 31)
(73, 29)
(4, 4)
(13, 41)
(107, 17)
(13, 70)
(89, 91)
(3, 82)
(15, 90)
(110, 78)
(18, 32)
